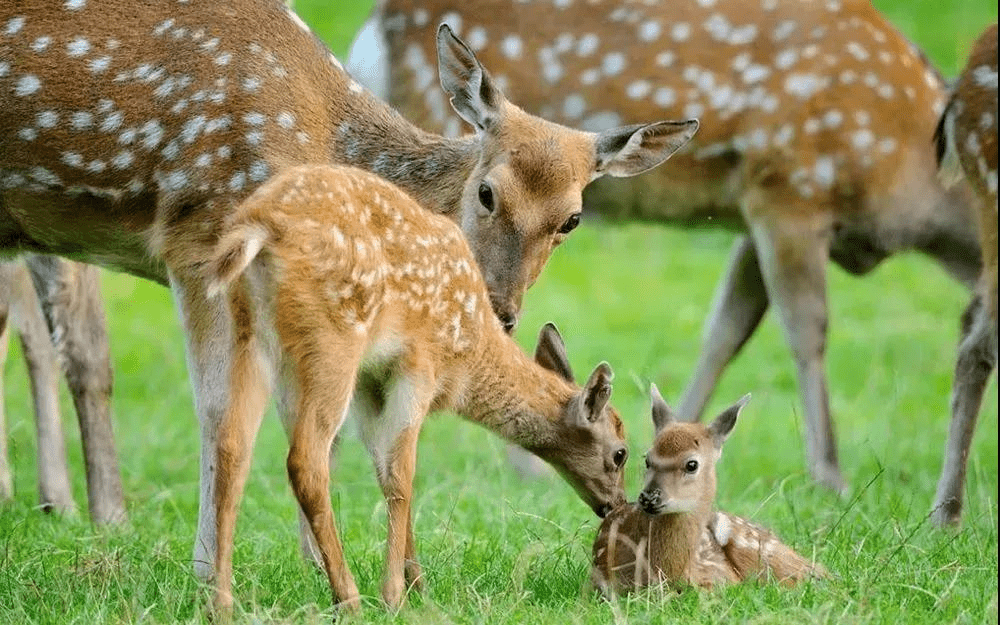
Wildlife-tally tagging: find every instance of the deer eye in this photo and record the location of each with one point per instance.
(691, 466)
(572, 222)
(486, 196)
(620, 456)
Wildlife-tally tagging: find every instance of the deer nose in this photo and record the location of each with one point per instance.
(602, 511)
(649, 501)
(508, 319)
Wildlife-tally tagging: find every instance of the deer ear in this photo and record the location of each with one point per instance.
(631, 150)
(662, 415)
(597, 392)
(550, 352)
(723, 424)
(474, 96)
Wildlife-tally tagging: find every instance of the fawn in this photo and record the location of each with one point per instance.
(378, 310)
(967, 147)
(129, 133)
(671, 535)
(816, 121)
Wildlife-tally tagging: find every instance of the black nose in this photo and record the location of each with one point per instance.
(508, 320)
(649, 501)
(603, 510)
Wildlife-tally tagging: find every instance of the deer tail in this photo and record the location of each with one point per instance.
(234, 253)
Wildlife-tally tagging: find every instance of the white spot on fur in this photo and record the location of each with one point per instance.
(587, 45)
(27, 85)
(680, 32)
(41, 44)
(512, 46)
(47, 119)
(75, 5)
(638, 89)
(27, 134)
(803, 86)
(78, 47)
(613, 63)
(14, 26)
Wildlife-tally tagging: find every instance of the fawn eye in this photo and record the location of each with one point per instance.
(569, 224)
(691, 466)
(620, 456)
(486, 196)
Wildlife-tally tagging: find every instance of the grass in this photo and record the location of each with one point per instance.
(499, 550)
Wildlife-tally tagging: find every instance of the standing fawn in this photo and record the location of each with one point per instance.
(672, 534)
(128, 134)
(967, 147)
(816, 117)
(56, 307)
(378, 310)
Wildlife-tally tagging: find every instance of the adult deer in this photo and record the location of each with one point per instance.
(804, 145)
(967, 147)
(128, 135)
(56, 307)
(377, 307)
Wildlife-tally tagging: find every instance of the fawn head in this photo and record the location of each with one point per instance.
(680, 468)
(525, 195)
(589, 447)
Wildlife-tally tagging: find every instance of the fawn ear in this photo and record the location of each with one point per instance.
(597, 392)
(662, 415)
(631, 150)
(474, 96)
(551, 352)
(723, 424)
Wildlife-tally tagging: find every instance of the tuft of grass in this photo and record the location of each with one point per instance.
(499, 550)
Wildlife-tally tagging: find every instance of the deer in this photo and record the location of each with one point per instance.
(378, 311)
(127, 137)
(966, 145)
(55, 305)
(672, 536)
(802, 147)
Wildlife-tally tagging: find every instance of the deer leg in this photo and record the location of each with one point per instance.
(793, 257)
(43, 372)
(71, 300)
(977, 358)
(739, 304)
(6, 478)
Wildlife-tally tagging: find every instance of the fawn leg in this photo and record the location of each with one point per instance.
(6, 478)
(738, 306)
(977, 358)
(793, 254)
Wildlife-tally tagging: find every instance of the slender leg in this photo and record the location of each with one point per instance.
(977, 358)
(739, 304)
(6, 478)
(793, 256)
(43, 372)
(71, 300)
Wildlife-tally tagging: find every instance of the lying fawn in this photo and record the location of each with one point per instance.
(967, 147)
(816, 117)
(128, 134)
(379, 310)
(56, 307)
(672, 534)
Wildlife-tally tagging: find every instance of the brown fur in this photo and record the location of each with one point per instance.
(672, 536)
(378, 308)
(802, 146)
(967, 139)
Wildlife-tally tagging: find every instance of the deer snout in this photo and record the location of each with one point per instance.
(507, 313)
(651, 501)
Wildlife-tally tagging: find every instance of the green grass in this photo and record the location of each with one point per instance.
(499, 550)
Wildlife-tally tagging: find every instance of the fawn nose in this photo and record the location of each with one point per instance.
(602, 511)
(649, 501)
(508, 319)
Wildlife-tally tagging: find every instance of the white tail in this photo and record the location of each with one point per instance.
(671, 535)
(816, 117)
(967, 148)
(377, 305)
(127, 137)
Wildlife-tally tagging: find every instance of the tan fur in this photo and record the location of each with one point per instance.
(672, 536)
(816, 119)
(379, 310)
(967, 137)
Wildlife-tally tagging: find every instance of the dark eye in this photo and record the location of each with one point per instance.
(620, 456)
(486, 196)
(691, 466)
(569, 224)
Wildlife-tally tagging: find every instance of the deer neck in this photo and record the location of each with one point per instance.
(673, 543)
(510, 394)
(431, 168)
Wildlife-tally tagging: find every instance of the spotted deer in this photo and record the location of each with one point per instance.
(672, 535)
(967, 147)
(804, 146)
(127, 138)
(56, 307)
(378, 310)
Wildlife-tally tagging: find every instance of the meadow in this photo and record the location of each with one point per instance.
(497, 549)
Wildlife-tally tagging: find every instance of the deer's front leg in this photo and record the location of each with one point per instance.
(793, 253)
(739, 304)
(977, 358)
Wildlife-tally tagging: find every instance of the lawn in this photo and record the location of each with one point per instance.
(497, 549)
